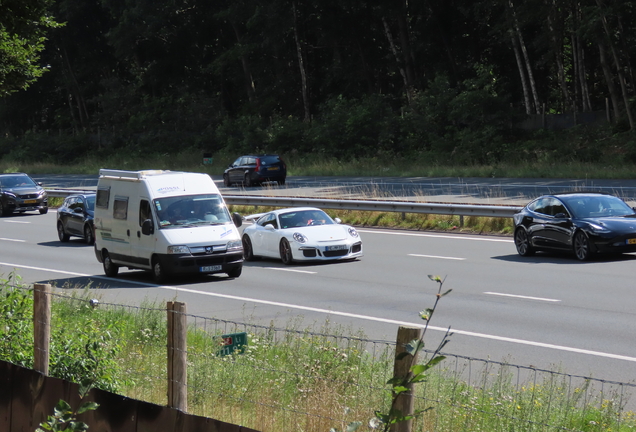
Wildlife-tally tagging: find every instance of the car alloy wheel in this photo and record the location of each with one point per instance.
(226, 180)
(110, 269)
(248, 251)
(285, 252)
(158, 272)
(88, 235)
(61, 234)
(582, 247)
(522, 242)
(248, 180)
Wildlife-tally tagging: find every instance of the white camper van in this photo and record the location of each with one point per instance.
(167, 222)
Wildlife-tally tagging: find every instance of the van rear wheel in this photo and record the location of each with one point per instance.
(110, 269)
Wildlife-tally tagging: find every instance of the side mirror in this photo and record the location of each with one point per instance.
(337, 220)
(270, 227)
(78, 210)
(560, 216)
(237, 219)
(147, 227)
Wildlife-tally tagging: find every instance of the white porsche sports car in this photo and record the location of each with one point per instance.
(300, 234)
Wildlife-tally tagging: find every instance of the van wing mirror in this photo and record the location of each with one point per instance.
(147, 227)
(237, 219)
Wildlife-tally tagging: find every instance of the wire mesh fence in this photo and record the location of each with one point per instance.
(282, 378)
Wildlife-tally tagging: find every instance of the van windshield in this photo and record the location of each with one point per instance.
(191, 210)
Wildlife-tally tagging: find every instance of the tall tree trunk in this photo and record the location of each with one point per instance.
(526, 58)
(301, 65)
(522, 73)
(75, 91)
(248, 80)
(405, 45)
(609, 79)
(557, 47)
(617, 65)
(394, 50)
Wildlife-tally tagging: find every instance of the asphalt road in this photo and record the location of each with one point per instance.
(547, 311)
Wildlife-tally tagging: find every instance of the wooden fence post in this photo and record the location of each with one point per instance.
(41, 327)
(177, 350)
(405, 401)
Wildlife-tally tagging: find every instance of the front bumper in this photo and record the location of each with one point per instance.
(201, 264)
(319, 253)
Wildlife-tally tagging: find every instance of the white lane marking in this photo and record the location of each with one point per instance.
(454, 237)
(522, 297)
(439, 257)
(350, 315)
(289, 270)
(13, 240)
(14, 221)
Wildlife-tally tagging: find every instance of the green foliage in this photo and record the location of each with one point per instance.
(23, 26)
(64, 418)
(16, 323)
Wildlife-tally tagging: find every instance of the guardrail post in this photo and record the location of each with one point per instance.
(41, 327)
(177, 356)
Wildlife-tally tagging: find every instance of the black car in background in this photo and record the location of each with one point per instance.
(255, 169)
(20, 193)
(75, 218)
(582, 223)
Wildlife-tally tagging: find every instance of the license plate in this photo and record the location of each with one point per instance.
(30, 201)
(631, 241)
(273, 169)
(336, 247)
(210, 268)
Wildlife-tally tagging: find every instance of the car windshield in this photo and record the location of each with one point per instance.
(18, 180)
(191, 210)
(304, 218)
(591, 206)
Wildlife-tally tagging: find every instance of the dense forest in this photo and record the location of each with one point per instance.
(343, 78)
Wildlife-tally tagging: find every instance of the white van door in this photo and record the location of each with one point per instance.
(143, 246)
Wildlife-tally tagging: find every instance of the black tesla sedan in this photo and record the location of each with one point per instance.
(75, 218)
(583, 223)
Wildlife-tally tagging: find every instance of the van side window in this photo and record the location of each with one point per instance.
(120, 208)
(144, 212)
(103, 196)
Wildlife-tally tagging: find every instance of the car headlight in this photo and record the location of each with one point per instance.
(353, 232)
(598, 228)
(300, 238)
(10, 194)
(42, 194)
(234, 245)
(178, 250)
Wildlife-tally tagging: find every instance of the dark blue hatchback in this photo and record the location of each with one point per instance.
(256, 169)
(75, 218)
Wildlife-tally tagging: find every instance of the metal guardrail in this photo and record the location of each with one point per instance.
(362, 205)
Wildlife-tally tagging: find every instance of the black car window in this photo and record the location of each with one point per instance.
(557, 207)
(250, 161)
(79, 203)
(144, 212)
(237, 162)
(90, 202)
(269, 160)
(68, 202)
(540, 206)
